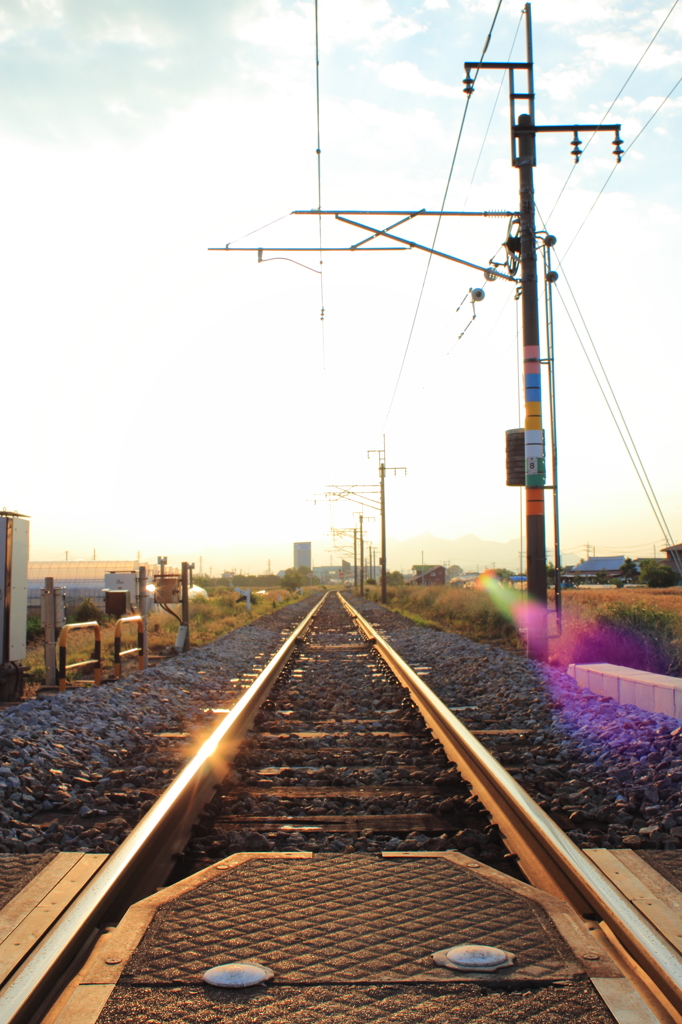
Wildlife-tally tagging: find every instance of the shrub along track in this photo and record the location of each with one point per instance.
(340, 760)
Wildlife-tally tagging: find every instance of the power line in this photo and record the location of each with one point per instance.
(492, 113)
(601, 190)
(442, 207)
(642, 475)
(613, 103)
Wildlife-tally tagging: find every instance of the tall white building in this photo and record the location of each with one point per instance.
(303, 554)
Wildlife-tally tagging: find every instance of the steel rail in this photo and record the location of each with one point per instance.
(145, 858)
(546, 855)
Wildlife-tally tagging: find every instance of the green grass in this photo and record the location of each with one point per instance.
(470, 613)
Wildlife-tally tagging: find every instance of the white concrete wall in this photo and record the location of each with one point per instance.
(646, 690)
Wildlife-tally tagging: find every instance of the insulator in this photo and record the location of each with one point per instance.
(577, 143)
(468, 83)
(550, 240)
(618, 147)
(552, 277)
(490, 275)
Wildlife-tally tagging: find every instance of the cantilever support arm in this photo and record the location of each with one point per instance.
(424, 248)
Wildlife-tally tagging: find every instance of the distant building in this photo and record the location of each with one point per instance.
(431, 578)
(673, 556)
(611, 566)
(303, 554)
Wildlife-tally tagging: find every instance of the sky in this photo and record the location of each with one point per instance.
(166, 398)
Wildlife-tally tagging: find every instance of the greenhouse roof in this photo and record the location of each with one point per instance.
(77, 569)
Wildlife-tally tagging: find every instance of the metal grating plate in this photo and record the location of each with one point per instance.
(576, 1003)
(340, 920)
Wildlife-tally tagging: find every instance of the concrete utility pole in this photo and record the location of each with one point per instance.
(381, 452)
(355, 556)
(362, 558)
(522, 250)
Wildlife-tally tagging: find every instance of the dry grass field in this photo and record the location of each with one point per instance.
(639, 627)
(209, 619)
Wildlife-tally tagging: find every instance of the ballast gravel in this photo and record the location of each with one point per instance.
(78, 770)
(90, 753)
(609, 774)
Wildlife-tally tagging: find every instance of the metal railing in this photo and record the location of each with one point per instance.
(139, 650)
(96, 661)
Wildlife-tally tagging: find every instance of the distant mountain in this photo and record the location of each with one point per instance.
(470, 552)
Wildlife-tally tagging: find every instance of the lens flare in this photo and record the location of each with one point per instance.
(527, 615)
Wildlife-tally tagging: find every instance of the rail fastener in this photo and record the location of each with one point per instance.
(96, 661)
(139, 650)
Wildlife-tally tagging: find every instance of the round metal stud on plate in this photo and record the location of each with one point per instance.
(470, 957)
(238, 975)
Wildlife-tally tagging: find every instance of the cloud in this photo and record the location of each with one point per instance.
(436, 5)
(74, 71)
(563, 83)
(407, 76)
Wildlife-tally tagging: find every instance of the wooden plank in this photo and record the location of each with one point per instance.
(665, 918)
(36, 923)
(30, 896)
(629, 884)
(383, 823)
(654, 881)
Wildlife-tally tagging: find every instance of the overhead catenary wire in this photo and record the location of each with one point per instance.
(613, 103)
(442, 207)
(319, 174)
(492, 113)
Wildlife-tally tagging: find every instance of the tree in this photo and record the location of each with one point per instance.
(629, 571)
(395, 579)
(504, 574)
(655, 574)
(550, 573)
(292, 580)
(601, 577)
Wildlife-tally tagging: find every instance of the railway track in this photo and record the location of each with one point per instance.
(335, 740)
(340, 757)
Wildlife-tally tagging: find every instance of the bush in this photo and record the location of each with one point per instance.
(34, 630)
(87, 611)
(656, 575)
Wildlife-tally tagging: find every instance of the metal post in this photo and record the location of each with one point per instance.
(50, 639)
(144, 612)
(362, 560)
(382, 475)
(550, 278)
(355, 556)
(536, 571)
(185, 603)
